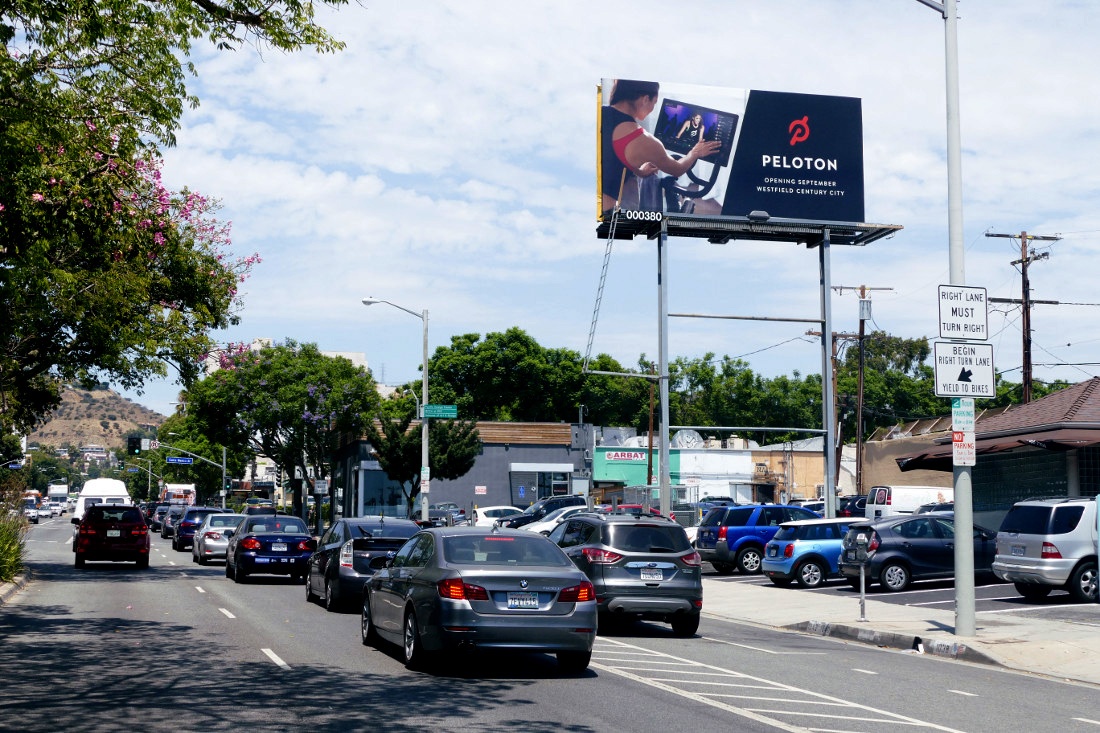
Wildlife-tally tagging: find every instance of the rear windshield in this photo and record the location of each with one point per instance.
(1032, 519)
(476, 549)
(396, 530)
(812, 532)
(224, 520)
(276, 525)
(646, 538)
(112, 514)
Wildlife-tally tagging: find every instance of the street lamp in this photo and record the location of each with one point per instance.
(425, 470)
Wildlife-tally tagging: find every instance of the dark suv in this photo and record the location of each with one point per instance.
(168, 521)
(115, 532)
(184, 531)
(540, 509)
(642, 567)
(735, 536)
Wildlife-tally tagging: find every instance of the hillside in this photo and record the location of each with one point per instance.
(101, 416)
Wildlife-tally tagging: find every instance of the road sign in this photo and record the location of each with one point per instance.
(154, 445)
(146, 444)
(963, 313)
(440, 410)
(131, 470)
(481, 490)
(963, 448)
(963, 370)
(184, 460)
(962, 414)
(320, 486)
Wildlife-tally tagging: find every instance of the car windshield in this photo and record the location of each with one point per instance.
(223, 520)
(382, 529)
(276, 525)
(476, 549)
(647, 537)
(537, 506)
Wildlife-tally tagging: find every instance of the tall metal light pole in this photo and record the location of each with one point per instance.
(965, 622)
(425, 469)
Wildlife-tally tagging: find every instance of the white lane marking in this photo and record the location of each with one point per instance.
(227, 613)
(759, 649)
(772, 686)
(1086, 720)
(963, 692)
(1034, 608)
(275, 658)
(199, 588)
(863, 671)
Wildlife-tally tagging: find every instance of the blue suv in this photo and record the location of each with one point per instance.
(734, 536)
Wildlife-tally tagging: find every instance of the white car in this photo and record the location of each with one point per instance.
(551, 520)
(484, 516)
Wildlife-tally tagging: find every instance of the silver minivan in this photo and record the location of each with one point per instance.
(1044, 544)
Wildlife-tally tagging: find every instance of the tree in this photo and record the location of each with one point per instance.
(289, 402)
(103, 272)
(453, 447)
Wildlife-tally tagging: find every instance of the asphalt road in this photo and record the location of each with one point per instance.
(179, 646)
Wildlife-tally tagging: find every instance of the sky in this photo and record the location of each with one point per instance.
(446, 161)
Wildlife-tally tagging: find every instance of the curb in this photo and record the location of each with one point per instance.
(891, 640)
(7, 590)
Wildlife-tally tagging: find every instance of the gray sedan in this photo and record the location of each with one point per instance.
(474, 588)
(210, 540)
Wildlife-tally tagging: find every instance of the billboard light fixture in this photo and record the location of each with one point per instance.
(759, 215)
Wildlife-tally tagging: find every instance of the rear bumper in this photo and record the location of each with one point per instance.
(272, 565)
(1049, 572)
(460, 627)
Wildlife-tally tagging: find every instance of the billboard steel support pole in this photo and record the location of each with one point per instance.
(828, 396)
(662, 356)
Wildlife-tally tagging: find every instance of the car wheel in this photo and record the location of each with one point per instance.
(79, 562)
(1033, 592)
(810, 574)
(722, 568)
(143, 562)
(229, 569)
(175, 545)
(200, 559)
(685, 625)
(1082, 584)
(332, 596)
(748, 560)
(309, 588)
(781, 582)
(854, 582)
(239, 575)
(414, 655)
(574, 662)
(366, 623)
(894, 577)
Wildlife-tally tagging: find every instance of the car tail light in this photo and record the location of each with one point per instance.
(603, 557)
(788, 550)
(874, 543)
(722, 532)
(212, 535)
(250, 543)
(139, 529)
(456, 590)
(1050, 552)
(578, 593)
(87, 529)
(692, 558)
(308, 545)
(346, 555)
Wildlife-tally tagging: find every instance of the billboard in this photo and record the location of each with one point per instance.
(714, 151)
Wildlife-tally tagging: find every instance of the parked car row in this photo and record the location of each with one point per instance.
(1042, 545)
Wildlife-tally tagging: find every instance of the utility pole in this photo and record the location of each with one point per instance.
(1026, 258)
(864, 316)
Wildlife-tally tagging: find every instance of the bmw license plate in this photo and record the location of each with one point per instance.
(523, 600)
(114, 533)
(278, 547)
(1018, 550)
(652, 574)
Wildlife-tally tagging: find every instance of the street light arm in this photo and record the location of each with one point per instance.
(372, 301)
(935, 6)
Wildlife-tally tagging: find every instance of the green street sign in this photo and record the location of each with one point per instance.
(440, 410)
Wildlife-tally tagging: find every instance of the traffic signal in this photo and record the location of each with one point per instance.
(133, 446)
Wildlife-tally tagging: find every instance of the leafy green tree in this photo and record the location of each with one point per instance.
(453, 447)
(288, 402)
(103, 272)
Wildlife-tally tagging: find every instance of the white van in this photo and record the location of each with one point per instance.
(100, 491)
(889, 501)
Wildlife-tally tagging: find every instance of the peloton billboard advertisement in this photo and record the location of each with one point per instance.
(713, 151)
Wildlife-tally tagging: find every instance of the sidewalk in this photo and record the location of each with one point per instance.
(1059, 649)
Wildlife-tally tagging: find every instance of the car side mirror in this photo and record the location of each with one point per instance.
(228, 533)
(74, 520)
(378, 562)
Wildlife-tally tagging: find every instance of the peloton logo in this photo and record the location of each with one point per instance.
(800, 130)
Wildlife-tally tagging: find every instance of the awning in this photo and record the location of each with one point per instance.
(940, 458)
